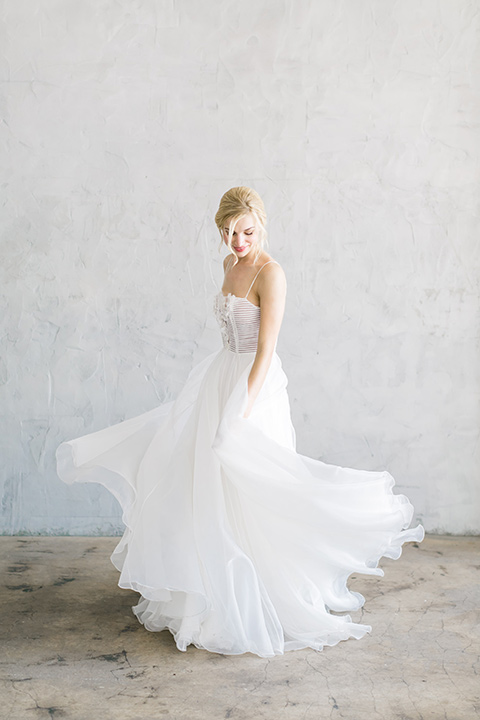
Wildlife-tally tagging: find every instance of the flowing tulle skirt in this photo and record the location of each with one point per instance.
(235, 542)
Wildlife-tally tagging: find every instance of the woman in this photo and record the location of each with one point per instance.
(235, 541)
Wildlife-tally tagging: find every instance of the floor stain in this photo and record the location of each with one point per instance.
(15, 680)
(23, 588)
(18, 567)
(53, 712)
(130, 628)
(114, 657)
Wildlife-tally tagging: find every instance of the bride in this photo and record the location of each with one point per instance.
(236, 542)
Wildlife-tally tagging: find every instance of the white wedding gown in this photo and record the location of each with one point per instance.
(235, 541)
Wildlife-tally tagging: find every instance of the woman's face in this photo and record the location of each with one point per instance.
(244, 236)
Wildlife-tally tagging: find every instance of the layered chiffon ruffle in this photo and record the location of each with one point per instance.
(236, 542)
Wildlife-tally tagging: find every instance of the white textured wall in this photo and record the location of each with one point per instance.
(123, 122)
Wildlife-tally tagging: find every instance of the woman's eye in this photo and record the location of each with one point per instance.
(248, 233)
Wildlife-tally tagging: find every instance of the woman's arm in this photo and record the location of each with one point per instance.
(271, 289)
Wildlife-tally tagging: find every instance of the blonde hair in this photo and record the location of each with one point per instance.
(235, 204)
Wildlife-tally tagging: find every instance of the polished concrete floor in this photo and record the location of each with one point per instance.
(71, 649)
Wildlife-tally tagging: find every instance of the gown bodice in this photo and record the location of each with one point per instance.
(239, 322)
(239, 319)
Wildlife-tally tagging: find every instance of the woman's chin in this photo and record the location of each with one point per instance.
(242, 252)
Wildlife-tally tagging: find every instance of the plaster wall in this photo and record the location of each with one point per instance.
(122, 125)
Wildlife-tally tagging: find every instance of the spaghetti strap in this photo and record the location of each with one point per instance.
(258, 273)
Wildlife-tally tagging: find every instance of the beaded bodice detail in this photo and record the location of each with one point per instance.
(239, 322)
(239, 319)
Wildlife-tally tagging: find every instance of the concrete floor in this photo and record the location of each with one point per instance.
(72, 648)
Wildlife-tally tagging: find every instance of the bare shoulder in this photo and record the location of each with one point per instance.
(272, 276)
(227, 261)
(273, 270)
